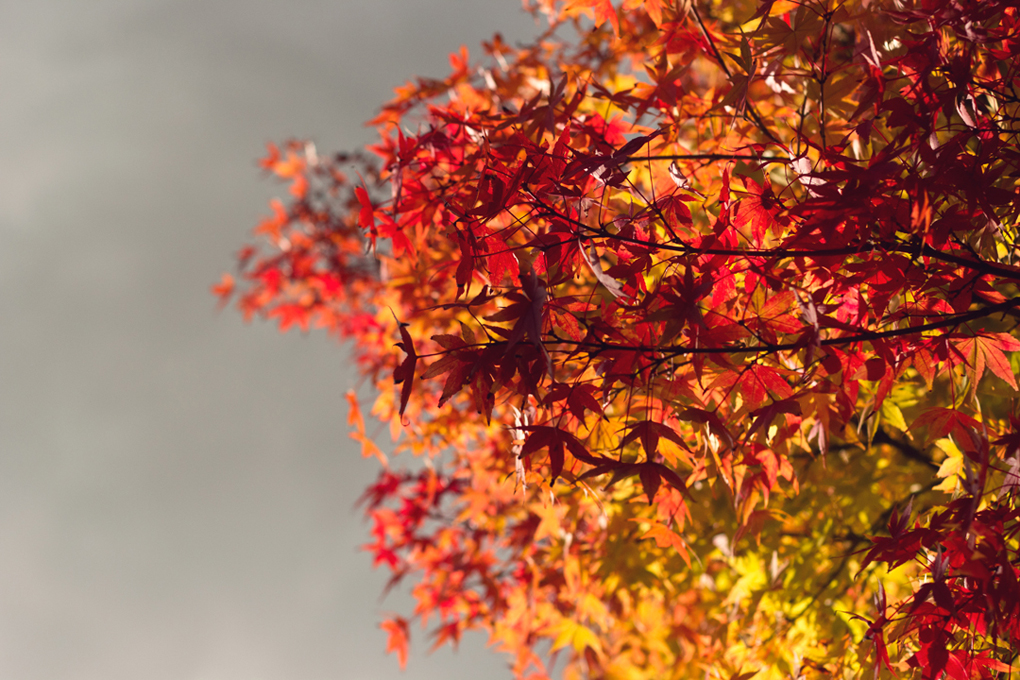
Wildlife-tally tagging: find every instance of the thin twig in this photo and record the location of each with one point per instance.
(750, 107)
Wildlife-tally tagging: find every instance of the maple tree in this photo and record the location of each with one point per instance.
(704, 322)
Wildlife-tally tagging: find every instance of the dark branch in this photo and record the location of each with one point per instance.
(950, 321)
(712, 157)
(882, 437)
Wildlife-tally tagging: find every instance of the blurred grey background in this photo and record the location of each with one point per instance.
(177, 488)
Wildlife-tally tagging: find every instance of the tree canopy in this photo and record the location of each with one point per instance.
(703, 317)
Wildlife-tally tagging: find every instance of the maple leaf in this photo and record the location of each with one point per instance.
(290, 315)
(758, 208)
(529, 323)
(666, 537)
(987, 351)
(272, 226)
(404, 373)
(603, 11)
(224, 289)
(573, 634)
(397, 641)
(591, 259)
(942, 422)
(366, 218)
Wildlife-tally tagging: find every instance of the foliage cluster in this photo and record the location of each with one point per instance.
(702, 320)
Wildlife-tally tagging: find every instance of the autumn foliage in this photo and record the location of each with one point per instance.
(703, 316)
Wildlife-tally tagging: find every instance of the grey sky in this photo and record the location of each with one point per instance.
(176, 489)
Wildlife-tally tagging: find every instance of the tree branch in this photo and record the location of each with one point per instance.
(770, 348)
(882, 437)
(712, 157)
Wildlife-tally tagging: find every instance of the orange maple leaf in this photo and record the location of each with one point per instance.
(398, 640)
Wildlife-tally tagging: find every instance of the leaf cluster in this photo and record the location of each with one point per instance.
(705, 320)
